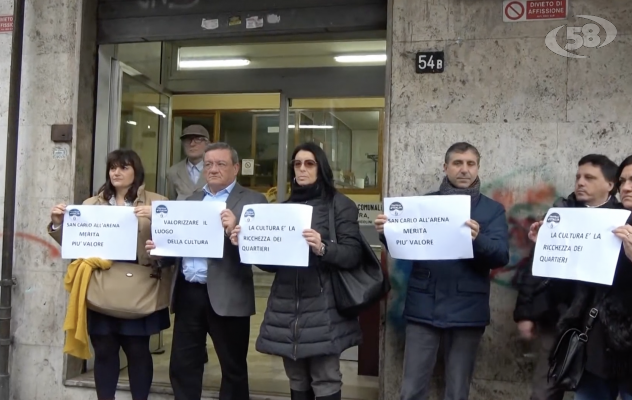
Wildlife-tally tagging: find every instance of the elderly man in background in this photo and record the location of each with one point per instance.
(186, 177)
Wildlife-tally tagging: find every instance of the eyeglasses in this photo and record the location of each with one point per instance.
(307, 163)
(194, 140)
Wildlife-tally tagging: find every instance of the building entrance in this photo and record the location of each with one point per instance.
(149, 93)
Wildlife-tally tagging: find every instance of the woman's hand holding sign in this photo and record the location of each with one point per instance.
(313, 239)
(143, 211)
(625, 234)
(57, 214)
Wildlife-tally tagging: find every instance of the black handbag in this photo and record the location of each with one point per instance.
(568, 359)
(358, 288)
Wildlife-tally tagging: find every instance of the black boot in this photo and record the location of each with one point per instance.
(302, 395)
(335, 396)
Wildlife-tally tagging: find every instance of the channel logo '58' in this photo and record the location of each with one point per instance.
(582, 36)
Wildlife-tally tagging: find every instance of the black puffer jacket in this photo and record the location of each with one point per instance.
(301, 319)
(543, 300)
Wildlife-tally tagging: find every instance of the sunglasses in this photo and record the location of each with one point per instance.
(300, 163)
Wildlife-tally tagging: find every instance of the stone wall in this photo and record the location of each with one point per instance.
(531, 113)
(57, 88)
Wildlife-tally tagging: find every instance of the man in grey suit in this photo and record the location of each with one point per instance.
(186, 176)
(214, 296)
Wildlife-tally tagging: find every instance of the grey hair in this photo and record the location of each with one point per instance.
(223, 146)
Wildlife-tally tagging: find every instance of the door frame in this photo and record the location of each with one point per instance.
(108, 113)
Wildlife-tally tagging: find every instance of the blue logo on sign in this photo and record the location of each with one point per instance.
(250, 213)
(162, 210)
(553, 220)
(396, 208)
(74, 213)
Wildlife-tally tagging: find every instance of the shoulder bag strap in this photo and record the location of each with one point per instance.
(332, 223)
(592, 315)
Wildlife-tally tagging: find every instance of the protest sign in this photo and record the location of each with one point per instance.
(188, 229)
(272, 234)
(578, 244)
(105, 232)
(428, 227)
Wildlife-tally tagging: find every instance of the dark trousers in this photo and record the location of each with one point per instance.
(420, 356)
(194, 319)
(592, 387)
(542, 389)
(107, 364)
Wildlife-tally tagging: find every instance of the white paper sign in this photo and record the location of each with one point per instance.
(367, 212)
(247, 166)
(578, 244)
(428, 227)
(107, 232)
(187, 229)
(272, 234)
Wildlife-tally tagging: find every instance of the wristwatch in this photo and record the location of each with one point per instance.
(323, 248)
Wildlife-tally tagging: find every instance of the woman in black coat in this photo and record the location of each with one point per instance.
(608, 372)
(301, 323)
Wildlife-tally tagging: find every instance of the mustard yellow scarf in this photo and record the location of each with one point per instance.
(76, 323)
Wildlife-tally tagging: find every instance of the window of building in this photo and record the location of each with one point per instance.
(348, 130)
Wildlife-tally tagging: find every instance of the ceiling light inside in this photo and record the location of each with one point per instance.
(368, 58)
(156, 111)
(212, 63)
(311, 126)
(131, 122)
(275, 129)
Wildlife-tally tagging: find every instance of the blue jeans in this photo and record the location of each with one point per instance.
(592, 387)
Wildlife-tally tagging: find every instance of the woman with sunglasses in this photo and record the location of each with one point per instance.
(301, 323)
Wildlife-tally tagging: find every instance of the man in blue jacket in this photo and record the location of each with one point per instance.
(448, 300)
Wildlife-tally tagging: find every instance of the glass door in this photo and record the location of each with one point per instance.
(143, 121)
(133, 112)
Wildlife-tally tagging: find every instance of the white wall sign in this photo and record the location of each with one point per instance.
(367, 212)
(247, 166)
(530, 10)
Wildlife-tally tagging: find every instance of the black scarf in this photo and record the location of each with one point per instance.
(474, 191)
(301, 194)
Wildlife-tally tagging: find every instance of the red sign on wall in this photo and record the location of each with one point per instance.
(534, 10)
(6, 23)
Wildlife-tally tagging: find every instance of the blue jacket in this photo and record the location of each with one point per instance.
(455, 293)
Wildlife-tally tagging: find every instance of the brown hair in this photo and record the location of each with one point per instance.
(461, 147)
(123, 158)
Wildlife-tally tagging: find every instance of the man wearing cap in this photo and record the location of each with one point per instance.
(186, 177)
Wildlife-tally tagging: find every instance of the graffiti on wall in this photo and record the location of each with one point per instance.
(523, 207)
(53, 250)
